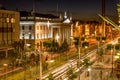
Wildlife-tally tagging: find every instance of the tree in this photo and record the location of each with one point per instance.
(87, 63)
(50, 77)
(117, 46)
(18, 46)
(109, 46)
(32, 59)
(70, 73)
(54, 46)
(47, 45)
(64, 46)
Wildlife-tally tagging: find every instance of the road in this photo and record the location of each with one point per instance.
(61, 71)
(58, 72)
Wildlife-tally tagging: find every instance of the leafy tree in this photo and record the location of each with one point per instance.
(70, 73)
(109, 46)
(18, 46)
(87, 63)
(50, 77)
(13, 54)
(54, 46)
(32, 59)
(117, 46)
(64, 46)
(47, 45)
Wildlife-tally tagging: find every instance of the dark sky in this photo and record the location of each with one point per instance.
(82, 9)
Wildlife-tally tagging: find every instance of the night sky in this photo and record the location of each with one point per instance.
(81, 9)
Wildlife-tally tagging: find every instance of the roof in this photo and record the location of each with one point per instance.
(30, 14)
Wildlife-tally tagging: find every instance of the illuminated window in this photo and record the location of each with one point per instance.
(43, 35)
(7, 20)
(86, 30)
(12, 20)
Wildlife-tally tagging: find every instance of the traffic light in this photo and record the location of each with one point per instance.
(103, 38)
(76, 41)
(85, 44)
(98, 38)
(117, 46)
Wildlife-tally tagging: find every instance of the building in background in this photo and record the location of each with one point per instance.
(37, 28)
(9, 30)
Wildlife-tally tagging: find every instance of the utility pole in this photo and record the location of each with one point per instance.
(103, 14)
(40, 66)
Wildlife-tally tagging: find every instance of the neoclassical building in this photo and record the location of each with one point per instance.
(37, 28)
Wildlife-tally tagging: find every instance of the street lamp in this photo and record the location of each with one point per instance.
(110, 47)
(24, 56)
(78, 41)
(99, 38)
(89, 70)
(40, 67)
(5, 65)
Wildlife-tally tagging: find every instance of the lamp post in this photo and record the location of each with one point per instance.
(78, 41)
(112, 56)
(79, 44)
(40, 67)
(110, 47)
(5, 65)
(89, 70)
(98, 38)
(23, 56)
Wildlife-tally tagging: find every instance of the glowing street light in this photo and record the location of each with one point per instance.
(57, 37)
(89, 70)
(5, 65)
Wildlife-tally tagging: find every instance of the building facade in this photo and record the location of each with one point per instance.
(9, 29)
(37, 28)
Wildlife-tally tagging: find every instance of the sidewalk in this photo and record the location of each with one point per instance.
(10, 70)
